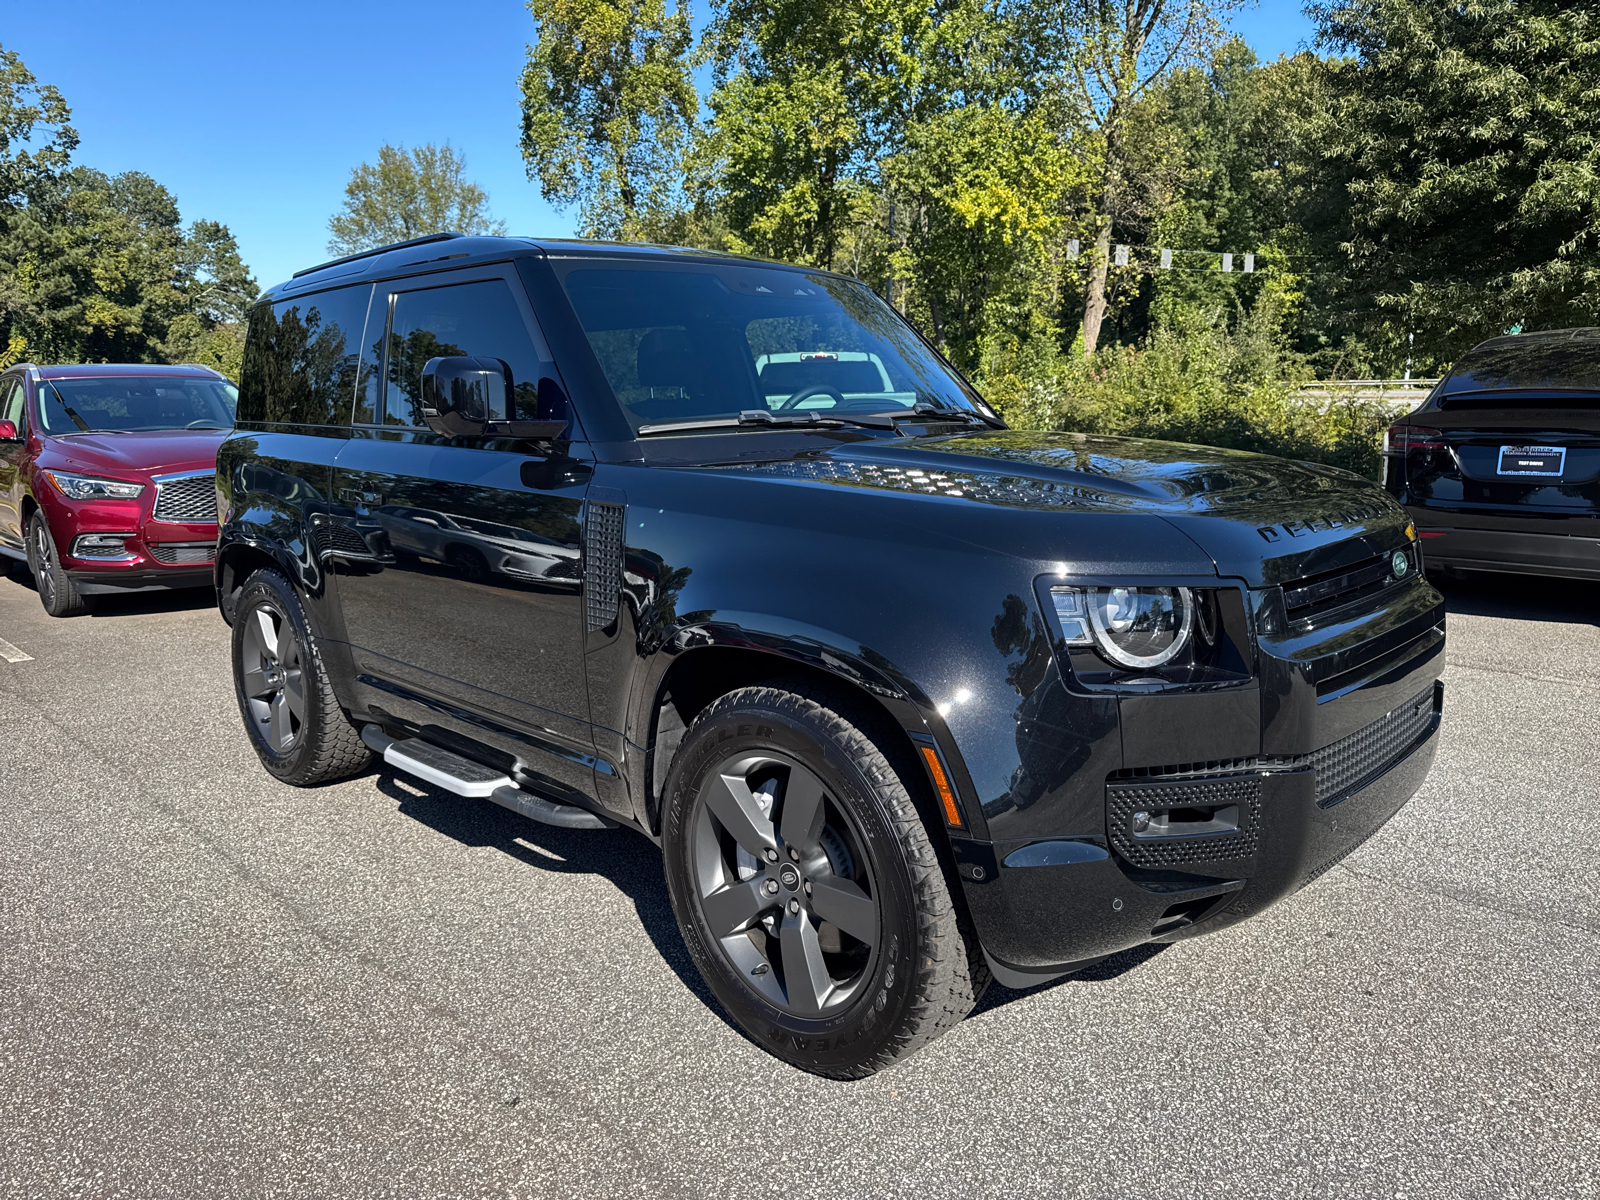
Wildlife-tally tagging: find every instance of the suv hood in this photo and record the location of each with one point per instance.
(150, 452)
(1257, 517)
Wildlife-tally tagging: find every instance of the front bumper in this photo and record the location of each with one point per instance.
(139, 579)
(1053, 906)
(155, 554)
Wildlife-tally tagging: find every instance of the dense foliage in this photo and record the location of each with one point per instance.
(1427, 179)
(97, 268)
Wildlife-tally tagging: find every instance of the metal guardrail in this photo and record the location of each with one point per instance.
(1397, 393)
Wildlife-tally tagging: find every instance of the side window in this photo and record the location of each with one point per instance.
(301, 358)
(480, 319)
(11, 401)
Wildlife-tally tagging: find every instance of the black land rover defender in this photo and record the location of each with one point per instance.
(723, 552)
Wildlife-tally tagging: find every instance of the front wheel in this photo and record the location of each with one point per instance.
(287, 701)
(57, 593)
(807, 886)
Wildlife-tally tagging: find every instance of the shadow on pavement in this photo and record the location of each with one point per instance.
(132, 604)
(627, 859)
(1521, 597)
(634, 864)
(1114, 967)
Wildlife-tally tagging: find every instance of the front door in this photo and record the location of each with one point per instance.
(12, 534)
(468, 609)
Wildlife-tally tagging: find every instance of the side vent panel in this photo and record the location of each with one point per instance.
(602, 562)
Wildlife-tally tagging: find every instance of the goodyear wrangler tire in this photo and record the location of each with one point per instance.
(285, 696)
(807, 886)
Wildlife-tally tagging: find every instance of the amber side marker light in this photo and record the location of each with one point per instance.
(941, 784)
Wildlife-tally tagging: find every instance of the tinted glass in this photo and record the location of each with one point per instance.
(1530, 363)
(301, 358)
(472, 319)
(705, 341)
(135, 402)
(11, 395)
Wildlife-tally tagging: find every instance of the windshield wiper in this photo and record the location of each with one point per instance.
(752, 417)
(923, 409)
(67, 408)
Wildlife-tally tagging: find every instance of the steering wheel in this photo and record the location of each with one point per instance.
(809, 393)
(203, 423)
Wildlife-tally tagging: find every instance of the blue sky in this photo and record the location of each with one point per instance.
(253, 115)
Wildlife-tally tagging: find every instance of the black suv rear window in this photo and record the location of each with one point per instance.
(1532, 364)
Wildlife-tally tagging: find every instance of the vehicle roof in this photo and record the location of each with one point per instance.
(1560, 360)
(433, 253)
(103, 370)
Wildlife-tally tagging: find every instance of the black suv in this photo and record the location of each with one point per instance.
(1500, 465)
(724, 552)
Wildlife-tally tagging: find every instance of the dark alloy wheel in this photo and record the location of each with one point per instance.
(807, 884)
(56, 591)
(272, 677)
(783, 883)
(287, 701)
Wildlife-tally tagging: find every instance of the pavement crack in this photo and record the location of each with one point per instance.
(1556, 679)
(1470, 901)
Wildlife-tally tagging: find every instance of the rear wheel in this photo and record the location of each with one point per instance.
(285, 697)
(56, 590)
(807, 886)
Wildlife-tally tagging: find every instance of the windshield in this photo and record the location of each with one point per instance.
(136, 403)
(694, 342)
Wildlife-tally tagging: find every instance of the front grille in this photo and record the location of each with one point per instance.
(181, 553)
(191, 500)
(1308, 598)
(1347, 764)
(1124, 800)
(1339, 769)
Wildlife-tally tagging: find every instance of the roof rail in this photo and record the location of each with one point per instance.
(421, 241)
(202, 367)
(23, 366)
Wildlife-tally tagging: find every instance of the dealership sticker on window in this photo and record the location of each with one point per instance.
(1532, 460)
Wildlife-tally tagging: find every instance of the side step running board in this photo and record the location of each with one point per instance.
(453, 773)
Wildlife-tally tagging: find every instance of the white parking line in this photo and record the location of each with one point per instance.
(11, 654)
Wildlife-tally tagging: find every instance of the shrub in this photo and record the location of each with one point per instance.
(1205, 386)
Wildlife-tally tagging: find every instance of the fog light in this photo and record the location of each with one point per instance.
(101, 545)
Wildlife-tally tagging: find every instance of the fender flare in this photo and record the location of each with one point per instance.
(815, 650)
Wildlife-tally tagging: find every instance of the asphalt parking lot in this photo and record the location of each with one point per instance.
(215, 985)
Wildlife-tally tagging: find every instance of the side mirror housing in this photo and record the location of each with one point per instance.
(461, 396)
(8, 432)
(473, 397)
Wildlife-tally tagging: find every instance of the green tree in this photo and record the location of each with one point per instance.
(409, 194)
(96, 267)
(1463, 152)
(608, 108)
(1110, 56)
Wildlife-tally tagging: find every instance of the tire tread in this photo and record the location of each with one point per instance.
(951, 973)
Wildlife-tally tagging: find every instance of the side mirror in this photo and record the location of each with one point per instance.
(8, 432)
(461, 396)
(473, 397)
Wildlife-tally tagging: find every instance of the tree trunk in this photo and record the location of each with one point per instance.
(1094, 309)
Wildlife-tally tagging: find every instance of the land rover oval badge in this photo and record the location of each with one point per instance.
(1400, 563)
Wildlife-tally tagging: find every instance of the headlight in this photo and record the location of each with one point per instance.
(89, 487)
(1121, 636)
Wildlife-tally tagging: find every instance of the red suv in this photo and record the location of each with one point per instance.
(107, 477)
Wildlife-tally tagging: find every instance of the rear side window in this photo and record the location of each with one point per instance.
(302, 358)
(11, 401)
(476, 319)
